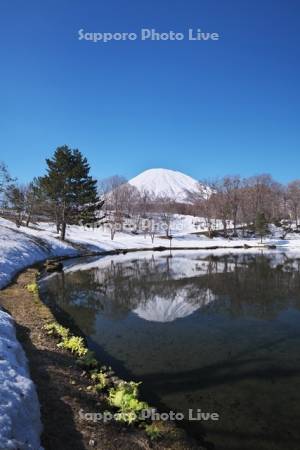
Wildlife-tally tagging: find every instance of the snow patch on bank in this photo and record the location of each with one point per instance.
(20, 424)
(22, 247)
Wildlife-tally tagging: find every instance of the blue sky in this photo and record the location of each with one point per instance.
(205, 108)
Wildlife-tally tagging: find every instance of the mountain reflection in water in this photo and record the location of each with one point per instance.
(220, 333)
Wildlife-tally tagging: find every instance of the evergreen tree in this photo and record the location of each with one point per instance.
(5, 180)
(261, 225)
(69, 186)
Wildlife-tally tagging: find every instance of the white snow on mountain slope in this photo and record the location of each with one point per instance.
(167, 183)
(20, 424)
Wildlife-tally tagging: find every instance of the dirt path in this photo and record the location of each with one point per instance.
(62, 386)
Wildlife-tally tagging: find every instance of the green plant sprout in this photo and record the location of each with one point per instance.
(125, 398)
(32, 288)
(88, 361)
(75, 344)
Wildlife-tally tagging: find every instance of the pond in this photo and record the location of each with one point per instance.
(216, 332)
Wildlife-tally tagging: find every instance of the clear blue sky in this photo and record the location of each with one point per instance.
(205, 108)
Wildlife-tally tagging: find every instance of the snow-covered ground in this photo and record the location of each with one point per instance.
(100, 239)
(20, 424)
(21, 247)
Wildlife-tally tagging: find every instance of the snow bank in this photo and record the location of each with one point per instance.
(22, 247)
(20, 425)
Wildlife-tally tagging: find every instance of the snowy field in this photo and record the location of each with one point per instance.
(183, 236)
(20, 424)
(21, 247)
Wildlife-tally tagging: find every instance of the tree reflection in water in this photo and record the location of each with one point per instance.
(219, 333)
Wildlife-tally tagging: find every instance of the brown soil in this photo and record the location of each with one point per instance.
(62, 386)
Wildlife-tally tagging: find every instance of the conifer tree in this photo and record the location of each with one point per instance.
(261, 225)
(5, 182)
(70, 187)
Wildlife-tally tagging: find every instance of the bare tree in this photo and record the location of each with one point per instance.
(165, 210)
(263, 192)
(204, 205)
(231, 189)
(218, 205)
(109, 184)
(16, 200)
(293, 198)
(32, 200)
(129, 199)
(147, 200)
(239, 201)
(121, 201)
(111, 188)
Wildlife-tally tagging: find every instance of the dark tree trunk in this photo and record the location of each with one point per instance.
(28, 220)
(234, 225)
(225, 228)
(63, 231)
(28, 217)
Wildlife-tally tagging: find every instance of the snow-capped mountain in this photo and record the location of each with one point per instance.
(167, 183)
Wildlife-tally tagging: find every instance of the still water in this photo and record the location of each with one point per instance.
(210, 331)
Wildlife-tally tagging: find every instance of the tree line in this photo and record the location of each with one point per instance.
(248, 201)
(67, 194)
